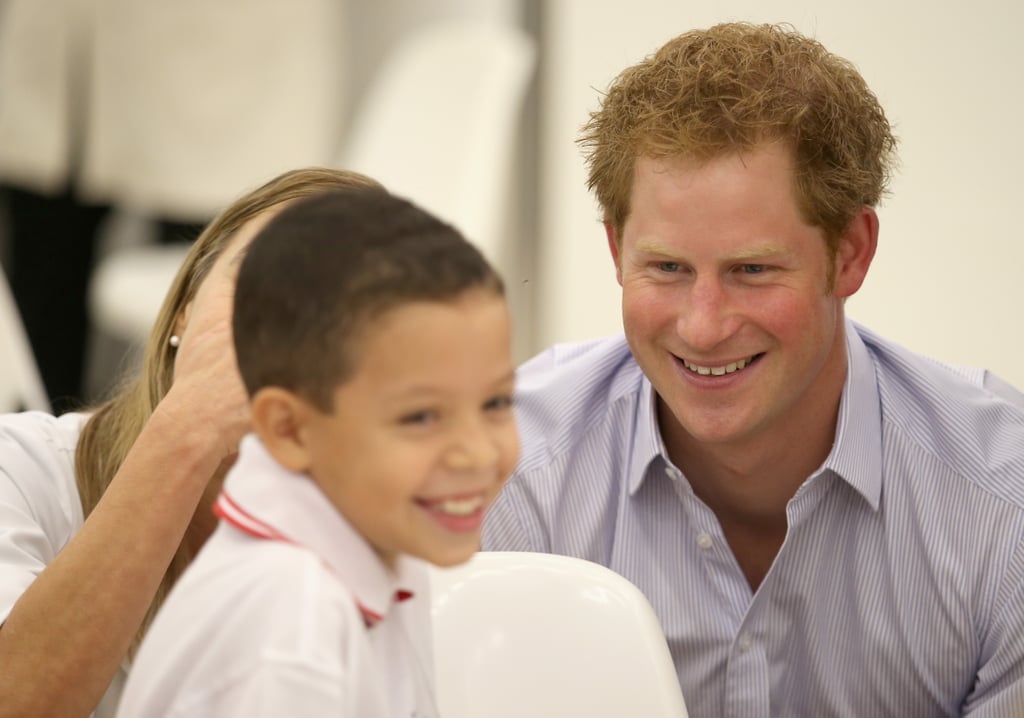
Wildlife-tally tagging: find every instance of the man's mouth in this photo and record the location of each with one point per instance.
(721, 370)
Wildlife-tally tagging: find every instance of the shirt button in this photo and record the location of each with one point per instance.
(671, 473)
(704, 541)
(745, 643)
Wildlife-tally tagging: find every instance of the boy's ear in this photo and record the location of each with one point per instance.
(279, 418)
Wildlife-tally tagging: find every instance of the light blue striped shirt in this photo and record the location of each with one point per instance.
(899, 589)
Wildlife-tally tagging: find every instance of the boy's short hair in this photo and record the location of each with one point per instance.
(324, 268)
(726, 89)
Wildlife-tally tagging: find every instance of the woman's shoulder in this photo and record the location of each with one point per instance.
(40, 507)
(37, 457)
(39, 434)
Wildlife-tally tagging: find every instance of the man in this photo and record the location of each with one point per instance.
(825, 522)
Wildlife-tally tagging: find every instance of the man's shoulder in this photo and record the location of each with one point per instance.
(953, 414)
(571, 389)
(908, 380)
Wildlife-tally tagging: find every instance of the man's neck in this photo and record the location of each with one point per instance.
(748, 484)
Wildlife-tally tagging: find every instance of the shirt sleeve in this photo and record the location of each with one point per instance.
(37, 509)
(273, 690)
(999, 686)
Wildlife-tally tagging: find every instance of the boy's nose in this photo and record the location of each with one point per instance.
(473, 447)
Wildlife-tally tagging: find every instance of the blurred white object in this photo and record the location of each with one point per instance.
(171, 108)
(440, 123)
(439, 126)
(21, 386)
(128, 287)
(545, 636)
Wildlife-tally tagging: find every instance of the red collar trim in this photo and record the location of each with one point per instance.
(229, 510)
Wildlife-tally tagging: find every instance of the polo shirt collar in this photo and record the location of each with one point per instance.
(263, 499)
(856, 455)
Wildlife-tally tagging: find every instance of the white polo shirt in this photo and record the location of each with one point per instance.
(286, 611)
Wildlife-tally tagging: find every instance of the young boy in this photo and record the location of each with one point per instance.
(374, 343)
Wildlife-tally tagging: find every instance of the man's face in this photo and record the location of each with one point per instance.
(726, 303)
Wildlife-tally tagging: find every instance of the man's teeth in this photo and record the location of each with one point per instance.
(716, 370)
(458, 507)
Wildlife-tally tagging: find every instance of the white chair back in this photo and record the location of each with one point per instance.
(21, 386)
(440, 123)
(545, 636)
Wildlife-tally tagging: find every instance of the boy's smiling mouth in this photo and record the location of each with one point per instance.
(464, 506)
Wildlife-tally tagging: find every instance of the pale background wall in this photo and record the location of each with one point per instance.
(946, 280)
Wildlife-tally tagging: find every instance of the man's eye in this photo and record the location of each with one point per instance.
(668, 266)
(754, 268)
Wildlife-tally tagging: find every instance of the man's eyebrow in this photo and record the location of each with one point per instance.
(765, 250)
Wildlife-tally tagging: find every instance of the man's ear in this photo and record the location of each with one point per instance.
(613, 247)
(855, 251)
(279, 418)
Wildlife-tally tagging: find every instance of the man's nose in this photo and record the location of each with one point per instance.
(707, 314)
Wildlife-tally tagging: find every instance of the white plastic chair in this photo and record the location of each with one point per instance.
(21, 386)
(440, 124)
(545, 636)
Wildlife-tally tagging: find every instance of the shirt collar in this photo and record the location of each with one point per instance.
(647, 444)
(263, 499)
(856, 455)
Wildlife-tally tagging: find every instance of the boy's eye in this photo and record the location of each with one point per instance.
(498, 403)
(418, 417)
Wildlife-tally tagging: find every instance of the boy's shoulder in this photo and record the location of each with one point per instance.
(253, 594)
(246, 610)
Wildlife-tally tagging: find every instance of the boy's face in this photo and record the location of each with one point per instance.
(422, 436)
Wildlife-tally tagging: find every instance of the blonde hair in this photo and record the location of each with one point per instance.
(114, 426)
(707, 93)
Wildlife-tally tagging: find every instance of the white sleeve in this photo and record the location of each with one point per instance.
(39, 504)
(272, 690)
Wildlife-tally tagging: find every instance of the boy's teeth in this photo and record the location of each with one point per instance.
(716, 370)
(458, 507)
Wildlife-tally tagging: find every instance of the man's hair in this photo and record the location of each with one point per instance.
(324, 268)
(730, 88)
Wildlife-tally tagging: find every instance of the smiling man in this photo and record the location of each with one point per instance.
(825, 522)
